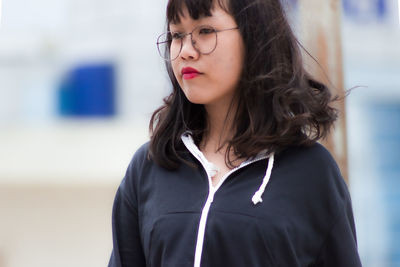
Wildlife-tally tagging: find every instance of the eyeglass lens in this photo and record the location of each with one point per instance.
(203, 39)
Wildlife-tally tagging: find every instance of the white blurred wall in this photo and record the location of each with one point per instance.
(41, 40)
(58, 176)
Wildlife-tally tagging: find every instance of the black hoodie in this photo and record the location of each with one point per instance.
(289, 209)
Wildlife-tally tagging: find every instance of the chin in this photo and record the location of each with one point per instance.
(195, 98)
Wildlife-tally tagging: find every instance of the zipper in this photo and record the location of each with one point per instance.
(206, 208)
(188, 142)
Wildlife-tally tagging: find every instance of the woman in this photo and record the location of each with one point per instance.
(232, 175)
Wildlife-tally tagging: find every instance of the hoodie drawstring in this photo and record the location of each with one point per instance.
(212, 169)
(257, 195)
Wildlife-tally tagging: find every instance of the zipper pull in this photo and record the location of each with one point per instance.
(212, 192)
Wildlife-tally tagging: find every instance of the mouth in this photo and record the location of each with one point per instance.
(189, 73)
(188, 76)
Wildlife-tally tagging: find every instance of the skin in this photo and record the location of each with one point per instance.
(215, 87)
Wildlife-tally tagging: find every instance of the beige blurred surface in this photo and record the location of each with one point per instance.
(57, 186)
(55, 226)
(86, 151)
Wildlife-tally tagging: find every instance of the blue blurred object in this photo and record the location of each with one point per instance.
(381, 8)
(88, 90)
(386, 141)
(365, 10)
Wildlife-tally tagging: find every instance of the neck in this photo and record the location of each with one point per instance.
(220, 123)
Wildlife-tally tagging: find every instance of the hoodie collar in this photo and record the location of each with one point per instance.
(211, 168)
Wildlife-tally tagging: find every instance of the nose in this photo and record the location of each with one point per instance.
(188, 51)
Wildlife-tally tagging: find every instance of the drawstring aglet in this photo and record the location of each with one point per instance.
(257, 197)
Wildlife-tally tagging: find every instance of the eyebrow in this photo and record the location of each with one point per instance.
(197, 22)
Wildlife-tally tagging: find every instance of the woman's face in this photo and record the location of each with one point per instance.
(219, 71)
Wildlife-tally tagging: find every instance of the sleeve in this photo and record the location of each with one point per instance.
(127, 248)
(340, 246)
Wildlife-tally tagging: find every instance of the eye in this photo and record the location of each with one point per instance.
(176, 35)
(206, 30)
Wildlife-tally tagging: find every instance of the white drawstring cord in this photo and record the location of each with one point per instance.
(213, 169)
(257, 195)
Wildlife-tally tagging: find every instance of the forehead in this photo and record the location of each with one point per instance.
(178, 10)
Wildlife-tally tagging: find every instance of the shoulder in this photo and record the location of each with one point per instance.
(137, 163)
(140, 158)
(141, 155)
(315, 171)
(315, 151)
(310, 159)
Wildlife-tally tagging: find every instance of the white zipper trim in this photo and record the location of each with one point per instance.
(202, 228)
(188, 142)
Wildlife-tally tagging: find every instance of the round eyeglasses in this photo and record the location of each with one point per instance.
(203, 38)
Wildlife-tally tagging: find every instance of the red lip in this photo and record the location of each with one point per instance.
(189, 70)
(188, 76)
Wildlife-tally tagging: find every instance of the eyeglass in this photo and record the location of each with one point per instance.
(203, 38)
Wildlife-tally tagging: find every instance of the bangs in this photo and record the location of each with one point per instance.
(197, 9)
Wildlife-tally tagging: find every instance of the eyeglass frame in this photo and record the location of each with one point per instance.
(183, 35)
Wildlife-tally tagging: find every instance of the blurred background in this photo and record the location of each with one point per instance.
(78, 83)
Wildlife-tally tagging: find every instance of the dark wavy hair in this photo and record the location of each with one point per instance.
(279, 104)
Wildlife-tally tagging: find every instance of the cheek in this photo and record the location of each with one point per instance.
(176, 72)
(228, 64)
